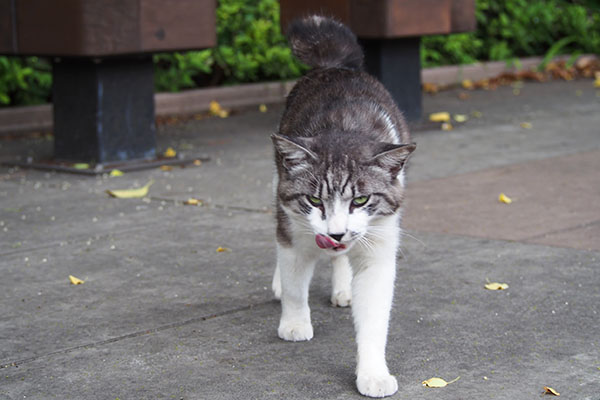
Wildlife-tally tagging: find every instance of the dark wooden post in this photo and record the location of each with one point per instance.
(397, 64)
(103, 109)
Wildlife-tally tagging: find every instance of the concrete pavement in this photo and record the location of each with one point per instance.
(163, 315)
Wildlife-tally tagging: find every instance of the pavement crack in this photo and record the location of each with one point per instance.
(74, 240)
(208, 205)
(144, 332)
(564, 230)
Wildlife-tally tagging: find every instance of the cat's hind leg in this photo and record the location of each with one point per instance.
(341, 282)
(276, 285)
(295, 270)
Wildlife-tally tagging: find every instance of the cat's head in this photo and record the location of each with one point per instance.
(336, 184)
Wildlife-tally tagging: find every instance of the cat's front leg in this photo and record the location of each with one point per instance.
(295, 270)
(372, 293)
(341, 282)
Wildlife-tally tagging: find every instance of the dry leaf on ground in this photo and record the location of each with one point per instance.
(222, 249)
(115, 173)
(131, 193)
(447, 126)
(438, 382)
(216, 109)
(170, 153)
(440, 117)
(502, 198)
(549, 390)
(192, 202)
(430, 87)
(526, 125)
(467, 84)
(75, 281)
(496, 286)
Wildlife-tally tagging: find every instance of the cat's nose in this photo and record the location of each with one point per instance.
(336, 236)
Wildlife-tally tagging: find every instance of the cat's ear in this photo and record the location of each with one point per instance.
(393, 156)
(295, 153)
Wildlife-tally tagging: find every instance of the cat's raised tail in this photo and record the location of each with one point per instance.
(324, 43)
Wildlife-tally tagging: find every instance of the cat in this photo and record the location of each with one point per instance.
(340, 154)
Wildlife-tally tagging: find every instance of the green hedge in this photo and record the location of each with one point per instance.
(251, 47)
(24, 81)
(507, 29)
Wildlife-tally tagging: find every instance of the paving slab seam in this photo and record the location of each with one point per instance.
(591, 149)
(70, 241)
(522, 241)
(144, 332)
(564, 230)
(208, 205)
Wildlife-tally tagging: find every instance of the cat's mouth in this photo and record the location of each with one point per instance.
(325, 242)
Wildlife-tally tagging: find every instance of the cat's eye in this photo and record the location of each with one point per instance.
(315, 201)
(360, 201)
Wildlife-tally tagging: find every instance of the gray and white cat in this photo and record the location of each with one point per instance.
(340, 154)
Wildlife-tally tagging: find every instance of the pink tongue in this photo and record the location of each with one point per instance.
(324, 242)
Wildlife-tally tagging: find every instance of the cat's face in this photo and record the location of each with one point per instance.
(334, 186)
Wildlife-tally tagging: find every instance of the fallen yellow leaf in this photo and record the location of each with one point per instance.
(192, 202)
(222, 249)
(81, 166)
(197, 163)
(477, 114)
(262, 108)
(460, 117)
(549, 390)
(116, 172)
(430, 87)
(75, 281)
(438, 382)
(496, 286)
(502, 198)
(215, 109)
(440, 117)
(526, 125)
(447, 126)
(467, 84)
(170, 153)
(131, 193)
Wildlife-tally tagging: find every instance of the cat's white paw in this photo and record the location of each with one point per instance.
(343, 298)
(377, 385)
(295, 331)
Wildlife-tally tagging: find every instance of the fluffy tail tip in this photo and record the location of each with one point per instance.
(323, 42)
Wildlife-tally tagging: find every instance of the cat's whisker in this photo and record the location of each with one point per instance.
(404, 233)
(401, 252)
(367, 243)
